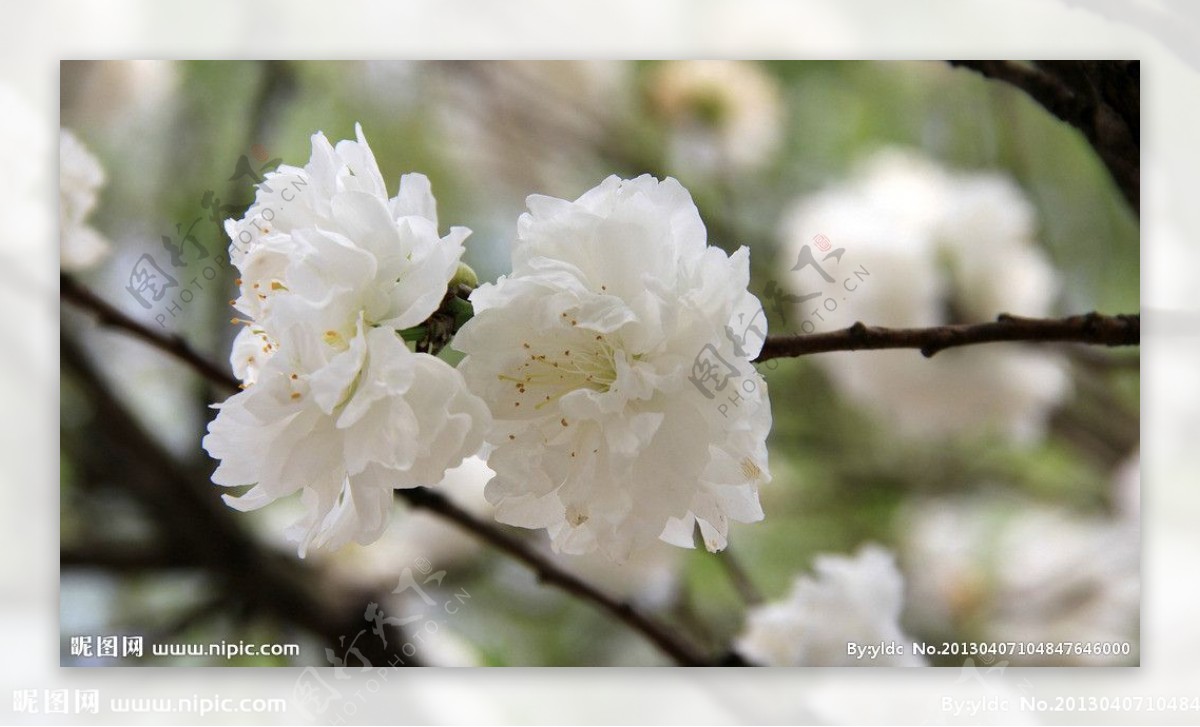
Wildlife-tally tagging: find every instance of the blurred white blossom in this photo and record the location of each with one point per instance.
(1127, 488)
(584, 355)
(334, 402)
(849, 600)
(928, 247)
(79, 182)
(1014, 570)
(722, 114)
(117, 97)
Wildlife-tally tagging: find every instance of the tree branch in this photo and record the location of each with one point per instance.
(108, 315)
(1100, 98)
(547, 571)
(125, 558)
(1093, 328)
(739, 578)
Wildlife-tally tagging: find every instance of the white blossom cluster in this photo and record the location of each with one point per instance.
(80, 180)
(924, 246)
(335, 404)
(850, 600)
(578, 371)
(583, 355)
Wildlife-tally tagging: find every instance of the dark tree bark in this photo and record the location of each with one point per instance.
(1100, 98)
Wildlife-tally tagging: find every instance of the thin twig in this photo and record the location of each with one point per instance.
(108, 315)
(1092, 328)
(671, 643)
(739, 578)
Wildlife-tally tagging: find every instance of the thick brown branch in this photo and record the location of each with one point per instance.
(549, 572)
(125, 558)
(1042, 87)
(108, 315)
(1100, 98)
(1093, 328)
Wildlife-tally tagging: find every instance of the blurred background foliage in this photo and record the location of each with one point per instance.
(488, 135)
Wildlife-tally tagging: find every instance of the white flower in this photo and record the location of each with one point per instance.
(374, 417)
(926, 247)
(328, 234)
(79, 183)
(335, 404)
(851, 600)
(585, 356)
(251, 348)
(722, 113)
